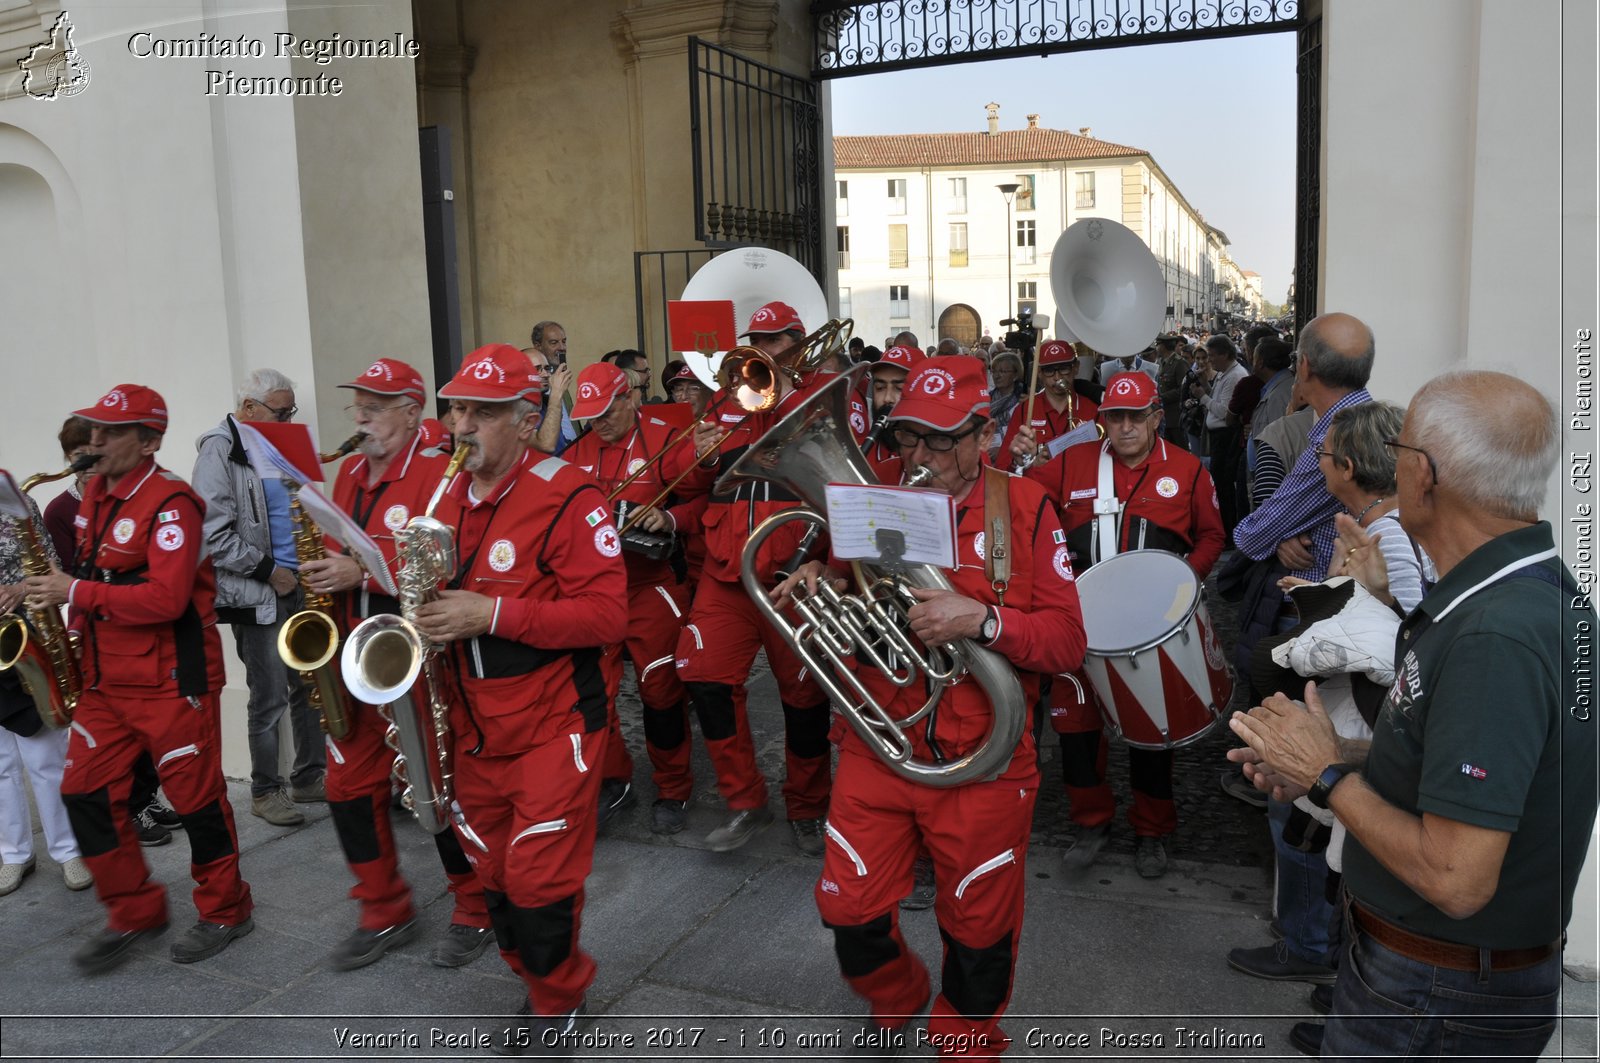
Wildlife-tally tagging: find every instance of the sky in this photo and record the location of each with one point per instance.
(1218, 116)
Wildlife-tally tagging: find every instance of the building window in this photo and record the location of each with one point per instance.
(841, 199)
(1027, 242)
(898, 258)
(844, 305)
(958, 243)
(900, 302)
(1085, 188)
(842, 243)
(1024, 191)
(958, 195)
(1027, 296)
(897, 195)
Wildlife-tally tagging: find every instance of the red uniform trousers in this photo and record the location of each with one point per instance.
(183, 736)
(655, 622)
(977, 836)
(359, 766)
(1075, 716)
(715, 652)
(529, 831)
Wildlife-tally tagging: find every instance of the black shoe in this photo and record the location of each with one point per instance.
(110, 947)
(163, 815)
(542, 1036)
(807, 836)
(368, 946)
(615, 795)
(204, 940)
(460, 945)
(739, 828)
(668, 816)
(150, 832)
(1236, 785)
(1277, 964)
(1321, 999)
(1307, 1037)
(922, 887)
(1150, 859)
(1085, 847)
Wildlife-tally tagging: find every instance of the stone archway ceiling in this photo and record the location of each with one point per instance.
(873, 36)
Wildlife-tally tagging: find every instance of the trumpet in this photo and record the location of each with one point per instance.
(343, 448)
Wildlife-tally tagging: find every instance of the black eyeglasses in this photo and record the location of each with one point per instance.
(1432, 468)
(938, 442)
(277, 414)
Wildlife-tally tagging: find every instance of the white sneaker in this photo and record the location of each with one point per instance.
(11, 875)
(76, 874)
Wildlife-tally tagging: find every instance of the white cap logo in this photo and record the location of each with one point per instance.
(588, 391)
(1123, 387)
(483, 370)
(937, 382)
(114, 399)
(377, 369)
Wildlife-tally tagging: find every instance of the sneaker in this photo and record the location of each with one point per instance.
(1321, 999)
(1150, 859)
(461, 945)
(204, 940)
(163, 815)
(109, 947)
(150, 832)
(313, 794)
(1085, 847)
(738, 828)
(11, 875)
(544, 1036)
(615, 796)
(922, 888)
(276, 808)
(1307, 1037)
(808, 837)
(1276, 963)
(668, 816)
(368, 946)
(76, 874)
(1236, 785)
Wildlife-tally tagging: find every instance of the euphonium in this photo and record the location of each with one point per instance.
(807, 450)
(309, 640)
(45, 658)
(385, 656)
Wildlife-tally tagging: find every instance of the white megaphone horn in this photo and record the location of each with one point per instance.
(1108, 288)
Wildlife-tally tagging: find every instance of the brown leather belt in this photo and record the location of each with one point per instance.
(1448, 954)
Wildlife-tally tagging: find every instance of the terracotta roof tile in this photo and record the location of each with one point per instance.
(955, 149)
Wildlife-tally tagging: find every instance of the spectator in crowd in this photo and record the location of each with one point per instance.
(1222, 436)
(1007, 388)
(947, 347)
(1171, 369)
(1143, 362)
(549, 339)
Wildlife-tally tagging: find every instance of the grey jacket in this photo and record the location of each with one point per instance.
(238, 537)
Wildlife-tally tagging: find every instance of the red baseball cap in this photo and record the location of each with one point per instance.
(128, 404)
(943, 392)
(1130, 391)
(683, 372)
(434, 433)
(390, 376)
(598, 387)
(496, 373)
(904, 357)
(1055, 352)
(774, 317)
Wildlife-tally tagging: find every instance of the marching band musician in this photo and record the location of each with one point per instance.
(152, 678)
(540, 590)
(382, 487)
(888, 378)
(978, 832)
(623, 442)
(1164, 500)
(683, 386)
(1057, 406)
(725, 629)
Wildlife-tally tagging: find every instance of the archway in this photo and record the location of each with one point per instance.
(961, 323)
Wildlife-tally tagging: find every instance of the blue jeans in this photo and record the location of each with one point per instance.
(1386, 1006)
(1304, 914)
(275, 689)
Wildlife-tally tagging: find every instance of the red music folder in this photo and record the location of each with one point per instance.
(294, 442)
(703, 325)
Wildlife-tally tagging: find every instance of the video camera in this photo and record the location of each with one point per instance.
(1024, 336)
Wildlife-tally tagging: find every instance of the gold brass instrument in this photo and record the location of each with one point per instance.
(343, 448)
(386, 655)
(308, 641)
(807, 450)
(45, 657)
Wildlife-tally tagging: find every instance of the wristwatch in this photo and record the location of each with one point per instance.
(991, 626)
(1322, 789)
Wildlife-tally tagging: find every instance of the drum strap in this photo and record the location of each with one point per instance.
(1107, 508)
(997, 519)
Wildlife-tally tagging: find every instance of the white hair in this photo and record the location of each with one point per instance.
(261, 383)
(1494, 439)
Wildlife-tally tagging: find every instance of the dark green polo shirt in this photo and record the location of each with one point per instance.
(1491, 722)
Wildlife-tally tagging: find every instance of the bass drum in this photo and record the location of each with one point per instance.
(1153, 656)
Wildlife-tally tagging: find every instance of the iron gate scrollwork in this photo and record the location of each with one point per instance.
(757, 155)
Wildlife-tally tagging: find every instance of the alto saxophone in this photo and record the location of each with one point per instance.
(386, 655)
(46, 658)
(308, 642)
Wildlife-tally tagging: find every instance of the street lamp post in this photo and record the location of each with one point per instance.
(1009, 190)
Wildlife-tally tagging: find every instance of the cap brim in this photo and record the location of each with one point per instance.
(584, 410)
(94, 416)
(450, 392)
(933, 415)
(411, 392)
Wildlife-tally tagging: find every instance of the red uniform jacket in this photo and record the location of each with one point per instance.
(544, 546)
(144, 595)
(401, 493)
(1047, 423)
(1170, 502)
(1041, 628)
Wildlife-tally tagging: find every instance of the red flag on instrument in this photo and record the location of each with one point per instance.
(294, 442)
(703, 325)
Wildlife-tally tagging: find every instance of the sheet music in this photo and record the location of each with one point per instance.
(925, 519)
(1084, 433)
(342, 529)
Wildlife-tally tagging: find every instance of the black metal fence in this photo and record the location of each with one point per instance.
(1308, 174)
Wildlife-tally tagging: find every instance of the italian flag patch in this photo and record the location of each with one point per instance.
(1058, 536)
(597, 515)
(167, 517)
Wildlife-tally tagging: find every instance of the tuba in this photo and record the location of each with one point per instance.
(386, 655)
(807, 450)
(35, 642)
(309, 640)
